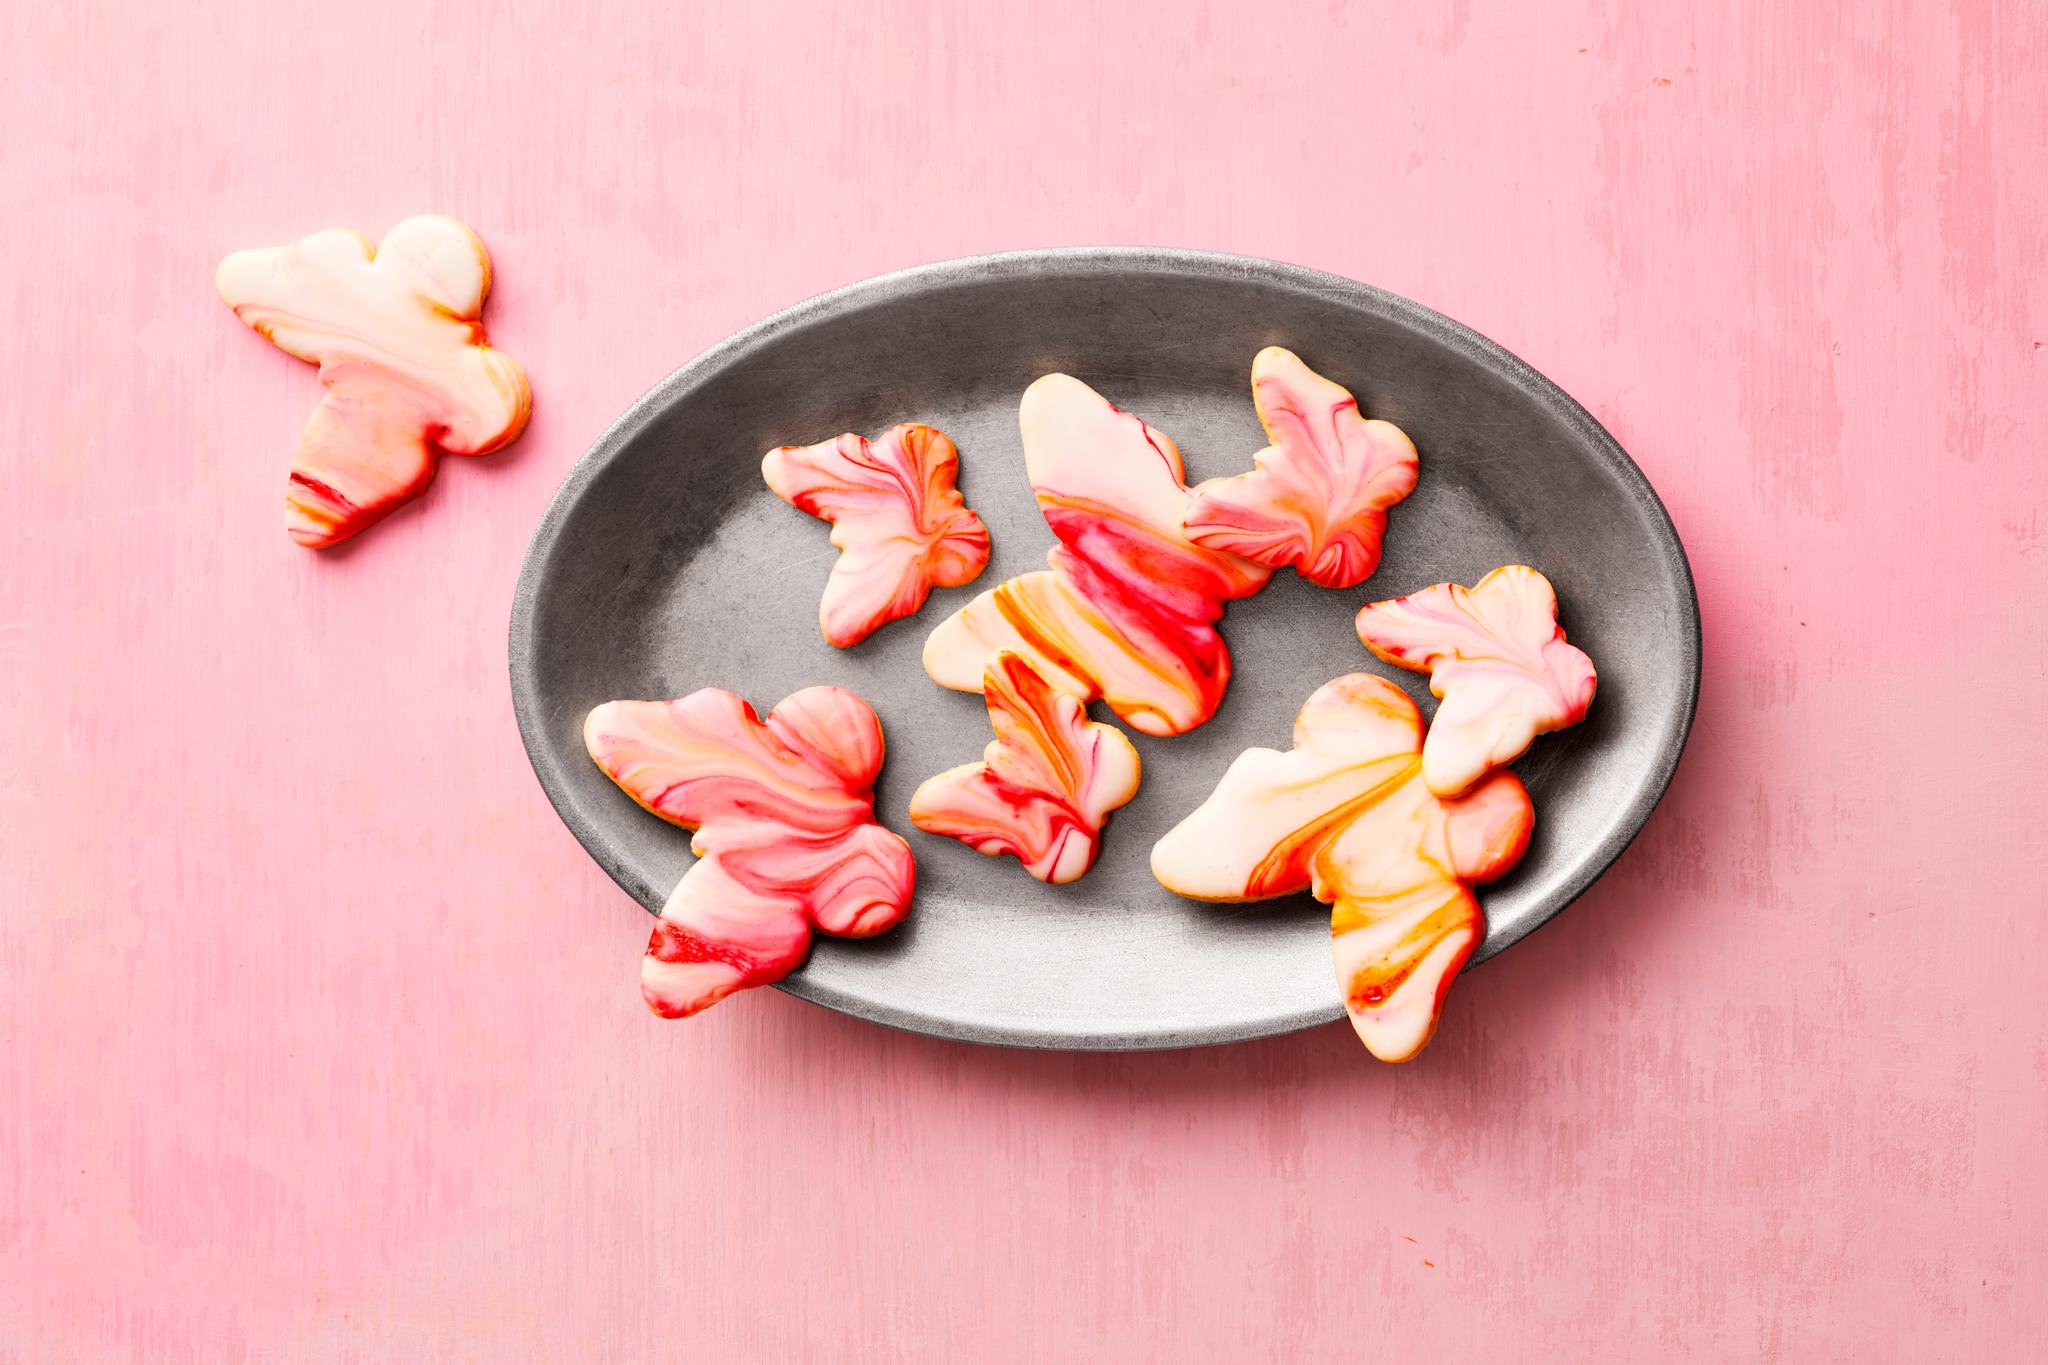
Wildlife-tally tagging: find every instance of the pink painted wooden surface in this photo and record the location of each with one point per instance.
(320, 1038)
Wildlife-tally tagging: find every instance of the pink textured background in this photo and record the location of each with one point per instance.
(319, 1036)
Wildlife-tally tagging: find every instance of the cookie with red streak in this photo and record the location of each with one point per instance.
(786, 839)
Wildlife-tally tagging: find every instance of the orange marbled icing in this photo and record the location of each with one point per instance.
(1346, 814)
(786, 841)
(397, 332)
(1128, 611)
(900, 524)
(1495, 655)
(1319, 495)
(1046, 784)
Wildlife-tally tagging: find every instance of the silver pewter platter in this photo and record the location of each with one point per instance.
(664, 565)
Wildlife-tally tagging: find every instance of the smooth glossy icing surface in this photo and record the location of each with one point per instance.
(1128, 611)
(397, 332)
(1319, 496)
(1045, 785)
(1495, 655)
(900, 524)
(1346, 814)
(786, 841)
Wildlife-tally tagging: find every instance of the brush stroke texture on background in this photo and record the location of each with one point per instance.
(320, 1038)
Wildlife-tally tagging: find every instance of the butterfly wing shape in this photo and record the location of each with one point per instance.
(1128, 611)
(1045, 785)
(397, 332)
(785, 835)
(900, 524)
(1496, 657)
(1346, 814)
(1319, 495)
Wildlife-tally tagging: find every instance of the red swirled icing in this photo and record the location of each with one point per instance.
(1495, 655)
(397, 332)
(1128, 611)
(900, 524)
(1046, 784)
(1319, 496)
(1346, 814)
(786, 840)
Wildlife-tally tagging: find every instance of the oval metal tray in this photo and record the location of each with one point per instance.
(664, 565)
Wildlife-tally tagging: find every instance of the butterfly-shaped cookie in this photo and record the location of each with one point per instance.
(1346, 814)
(1128, 611)
(1495, 655)
(1319, 496)
(786, 841)
(900, 524)
(397, 332)
(1045, 785)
